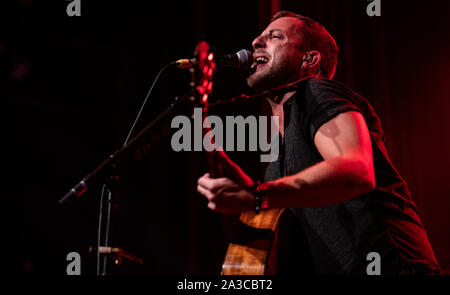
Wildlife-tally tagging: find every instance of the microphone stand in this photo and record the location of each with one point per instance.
(105, 173)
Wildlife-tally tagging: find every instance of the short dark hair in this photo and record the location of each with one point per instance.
(316, 37)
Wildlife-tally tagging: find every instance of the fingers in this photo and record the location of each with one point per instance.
(211, 187)
(212, 206)
(213, 184)
(208, 194)
(223, 194)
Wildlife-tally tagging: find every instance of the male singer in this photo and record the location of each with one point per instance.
(333, 171)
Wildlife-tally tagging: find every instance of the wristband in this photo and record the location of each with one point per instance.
(257, 198)
(261, 201)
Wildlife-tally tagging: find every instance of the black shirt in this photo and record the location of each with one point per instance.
(385, 221)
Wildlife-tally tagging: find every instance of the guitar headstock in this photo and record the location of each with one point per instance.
(202, 86)
(202, 75)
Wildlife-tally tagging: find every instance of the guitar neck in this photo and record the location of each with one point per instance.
(215, 166)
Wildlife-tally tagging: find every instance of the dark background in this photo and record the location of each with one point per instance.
(73, 86)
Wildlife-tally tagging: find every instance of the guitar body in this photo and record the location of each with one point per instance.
(253, 251)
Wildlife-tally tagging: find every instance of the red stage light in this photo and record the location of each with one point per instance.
(201, 89)
(210, 85)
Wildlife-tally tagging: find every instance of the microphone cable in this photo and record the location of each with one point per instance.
(145, 101)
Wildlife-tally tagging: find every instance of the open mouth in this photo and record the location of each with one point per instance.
(261, 60)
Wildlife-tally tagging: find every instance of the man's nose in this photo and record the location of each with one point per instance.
(258, 42)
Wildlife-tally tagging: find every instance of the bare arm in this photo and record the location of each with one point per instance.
(346, 172)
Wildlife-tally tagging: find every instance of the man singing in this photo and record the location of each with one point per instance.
(333, 171)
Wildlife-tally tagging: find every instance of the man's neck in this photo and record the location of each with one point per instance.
(276, 103)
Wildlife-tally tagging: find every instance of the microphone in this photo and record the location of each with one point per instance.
(242, 59)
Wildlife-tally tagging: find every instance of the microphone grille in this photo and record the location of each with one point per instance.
(245, 58)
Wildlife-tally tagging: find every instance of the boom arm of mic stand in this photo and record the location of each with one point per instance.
(100, 172)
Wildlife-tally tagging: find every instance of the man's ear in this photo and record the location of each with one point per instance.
(311, 60)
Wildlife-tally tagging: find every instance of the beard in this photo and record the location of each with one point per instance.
(273, 75)
(261, 81)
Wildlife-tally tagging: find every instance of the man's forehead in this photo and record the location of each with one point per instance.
(285, 24)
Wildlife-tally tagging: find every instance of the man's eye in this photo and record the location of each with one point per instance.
(276, 37)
